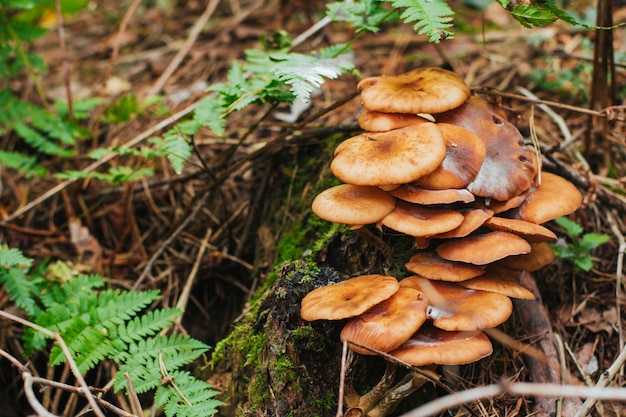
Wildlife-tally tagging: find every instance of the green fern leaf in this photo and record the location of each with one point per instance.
(147, 324)
(178, 151)
(13, 257)
(21, 290)
(210, 113)
(197, 398)
(433, 17)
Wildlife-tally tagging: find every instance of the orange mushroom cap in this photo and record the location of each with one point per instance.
(530, 231)
(500, 280)
(430, 265)
(423, 90)
(399, 156)
(376, 121)
(388, 324)
(452, 307)
(347, 298)
(472, 220)
(415, 220)
(541, 254)
(418, 195)
(353, 204)
(430, 345)
(483, 249)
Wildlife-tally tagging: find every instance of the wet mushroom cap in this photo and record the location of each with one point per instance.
(418, 195)
(388, 324)
(415, 220)
(430, 265)
(508, 168)
(465, 154)
(532, 232)
(353, 204)
(555, 197)
(484, 248)
(541, 254)
(399, 156)
(424, 90)
(347, 298)
(500, 280)
(376, 121)
(472, 220)
(452, 307)
(430, 345)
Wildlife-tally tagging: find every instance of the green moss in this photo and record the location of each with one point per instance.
(310, 337)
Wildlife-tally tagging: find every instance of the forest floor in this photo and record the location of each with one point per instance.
(231, 239)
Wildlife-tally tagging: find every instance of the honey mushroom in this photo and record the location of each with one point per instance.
(448, 169)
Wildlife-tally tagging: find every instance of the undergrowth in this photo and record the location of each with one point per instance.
(99, 324)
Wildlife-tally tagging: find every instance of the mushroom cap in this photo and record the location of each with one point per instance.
(418, 195)
(430, 345)
(452, 307)
(541, 254)
(483, 248)
(472, 220)
(423, 90)
(430, 265)
(555, 197)
(530, 231)
(500, 280)
(508, 168)
(388, 324)
(399, 156)
(465, 154)
(353, 204)
(376, 121)
(415, 220)
(347, 298)
(502, 206)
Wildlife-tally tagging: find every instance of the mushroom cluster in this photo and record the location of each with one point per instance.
(447, 168)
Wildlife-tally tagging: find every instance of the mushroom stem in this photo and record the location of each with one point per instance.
(407, 386)
(380, 390)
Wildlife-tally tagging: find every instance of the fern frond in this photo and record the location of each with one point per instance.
(147, 324)
(178, 151)
(433, 17)
(198, 396)
(21, 290)
(13, 257)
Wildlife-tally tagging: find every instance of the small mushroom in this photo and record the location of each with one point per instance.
(541, 254)
(424, 90)
(555, 197)
(472, 220)
(483, 249)
(465, 154)
(388, 324)
(347, 298)
(529, 231)
(452, 307)
(430, 345)
(419, 221)
(430, 265)
(418, 195)
(376, 121)
(399, 156)
(353, 204)
(500, 280)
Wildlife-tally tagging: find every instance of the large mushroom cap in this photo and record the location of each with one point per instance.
(396, 157)
(388, 324)
(500, 280)
(376, 121)
(424, 90)
(465, 154)
(430, 345)
(508, 168)
(430, 265)
(415, 220)
(347, 298)
(353, 204)
(483, 249)
(555, 197)
(452, 307)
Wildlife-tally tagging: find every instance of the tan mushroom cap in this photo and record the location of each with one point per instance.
(541, 254)
(388, 324)
(472, 220)
(347, 298)
(353, 204)
(500, 280)
(508, 168)
(376, 121)
(452, 307)
(424, 90)
(465, 154)
(555, 197)
(483, 249)
(396, 157)
(418, 195)
(415, 220)
(430, 345)
(502, 206)
(529, 231)
(430, 265)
